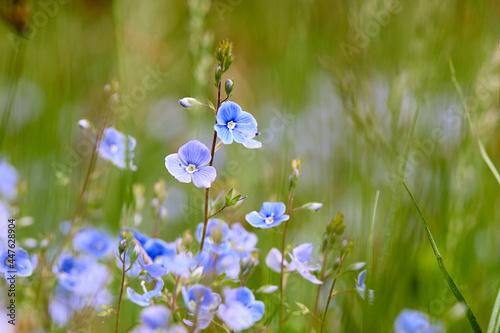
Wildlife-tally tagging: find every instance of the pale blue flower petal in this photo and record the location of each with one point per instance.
(224, 134)
(245, 123)
(177, 168)
(255, 219)
(204, 176)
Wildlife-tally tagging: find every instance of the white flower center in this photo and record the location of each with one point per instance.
(113, 149)
(270, 219)
(231, 125)
(191, 168)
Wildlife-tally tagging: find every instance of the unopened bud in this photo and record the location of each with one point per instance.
(188, 102)
(229, 86)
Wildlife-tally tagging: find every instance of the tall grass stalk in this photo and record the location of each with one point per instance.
(458, 295)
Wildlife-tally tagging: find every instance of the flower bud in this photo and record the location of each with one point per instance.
(218, 74)
(187, 239)
(229, 86)
(188, 102)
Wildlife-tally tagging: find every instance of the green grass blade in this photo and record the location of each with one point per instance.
(460, 298)
(484, 155)
(494, 326)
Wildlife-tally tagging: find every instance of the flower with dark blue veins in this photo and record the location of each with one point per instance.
(156, 319)
(216, 236)
(201, 303)
(412, 321)
(240, 310)
(235, 124)
(20, 263)
(271, 214)
(113, 147)
(190, 163)
(8, 181)
(361, 287)
(300, 258)
(145, 299)
(93, 241)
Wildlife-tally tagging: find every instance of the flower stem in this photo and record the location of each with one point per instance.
(174, 297)
(121, 293)
(322, 278)
(282, 281)
(331, 294)
(207, 191)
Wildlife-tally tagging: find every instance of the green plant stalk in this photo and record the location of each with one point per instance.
(369, 261)
(494, 326)
(460, 298)
(121, 292)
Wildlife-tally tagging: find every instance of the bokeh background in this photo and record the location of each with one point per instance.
(335, 83)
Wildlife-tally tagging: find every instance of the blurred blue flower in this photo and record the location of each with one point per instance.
(236, 124)
(412, 321)
(361, 287)
(242, 240)
(201, 303)
(93, 241)
(271, 214)
(240, 310)
(74, 274)
(273, 261)
(8, 181)
(113, 147)
(191, 163)
(180, 264)
(64, 304)
(217, 264)
(156, 247)
(216, 237)
(156, 319)
(145, 299)
(21, 261)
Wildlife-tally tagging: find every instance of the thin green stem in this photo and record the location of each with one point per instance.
(342, 258)
(207, 191)
(369, 264)
(444, 271)
(282, 280)
(121, 293)
(494, 326)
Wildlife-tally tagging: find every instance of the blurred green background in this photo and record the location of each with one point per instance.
(335, 83)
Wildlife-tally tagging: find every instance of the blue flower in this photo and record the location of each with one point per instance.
(8, 180)
(240, 309)
(113, 147)
(217, 264)
(235, 124)
(412, 321)
(216, 237)
(201, 303)
(271, 214)
(300, 257)
(191, 163)
(74, 274)
(180, 264)
(93, 242)
(361, 287)
(21, 263)
(145, 299)
(157, 318)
